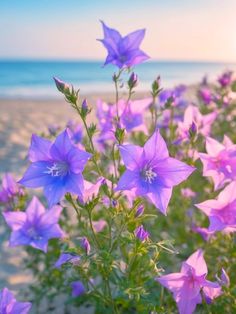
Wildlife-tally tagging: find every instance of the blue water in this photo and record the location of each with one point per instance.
(33, 79)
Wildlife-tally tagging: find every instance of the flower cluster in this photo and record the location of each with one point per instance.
(100, 230)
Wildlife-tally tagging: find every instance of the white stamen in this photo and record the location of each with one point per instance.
(57, 169)
(149, 175)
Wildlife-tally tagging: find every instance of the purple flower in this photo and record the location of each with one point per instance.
(9, 305)
(76, 131)
(141, 233)
(67, 258)
(224, 278)
(35, 226)
(225, 79)
(204, 232)
(221, 211)
(10, 189)
(205, 95)
(219, 162)
(90, 190)
(77, 288)
(57, 167)
(187, 285)
(85, 245)
(151, 172)
(123, 51)
(203, 122)
(99, 225)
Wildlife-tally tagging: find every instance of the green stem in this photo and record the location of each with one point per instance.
(92, 229)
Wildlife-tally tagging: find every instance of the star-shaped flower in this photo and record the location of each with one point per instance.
(203, 122)
(150, 172)
(220, 161)
(9, 304)
(221, 211)
(123, 51)
(188, 283)
(57, 167)
(35, 226)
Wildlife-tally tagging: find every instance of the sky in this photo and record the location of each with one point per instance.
(201, 30)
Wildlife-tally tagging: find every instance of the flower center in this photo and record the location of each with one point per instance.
(149, 175)
(33, 234)
(58, 169)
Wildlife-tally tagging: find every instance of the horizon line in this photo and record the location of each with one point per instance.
(161, 60)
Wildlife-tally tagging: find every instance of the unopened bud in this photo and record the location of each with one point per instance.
(139, 211)
(62, 86)
(193, 130)
(85, 245)
(133, 80)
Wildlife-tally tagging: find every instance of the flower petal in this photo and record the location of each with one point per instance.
(131, 154)
(15, 220)
(39, 149)
(173, 171)
(196, 260)
(155, 147)
(160, 197)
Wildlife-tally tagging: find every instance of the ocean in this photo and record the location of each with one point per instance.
(33, 79)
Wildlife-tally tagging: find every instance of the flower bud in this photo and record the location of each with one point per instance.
(193, 131)
(156, 86)
(62, 86)
(141, 233)
(114, 203)
(85, 245)
(133, 80)
(224, 278)
(139, 211)
(84, 105)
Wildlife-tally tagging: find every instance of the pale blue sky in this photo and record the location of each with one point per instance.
(176, 29)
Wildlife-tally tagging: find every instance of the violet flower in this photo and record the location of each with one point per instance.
(76, 131)
(220, 161)
(10, 189)
(9, 304)
(221, 211)
(57, 167)
(67, 258)
(186, 286)
(204, 232)
(123, 51)
(224, 278)
(203, 122)
(225, 79)
(150, 172)
(34, 227)
(77, 288)
(205, 95)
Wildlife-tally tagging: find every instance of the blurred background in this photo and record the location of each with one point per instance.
(41, 39)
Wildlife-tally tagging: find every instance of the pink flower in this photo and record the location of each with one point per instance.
(219, 162)
(186, 286)
(188, 193)
(221, 211)
(203, 122)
